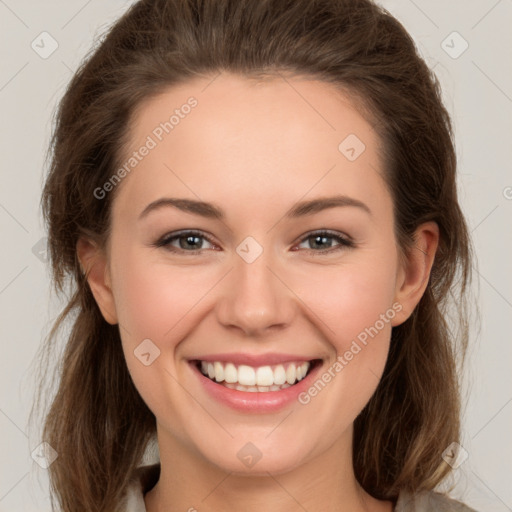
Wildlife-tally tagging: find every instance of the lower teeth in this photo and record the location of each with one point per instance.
(252, 389)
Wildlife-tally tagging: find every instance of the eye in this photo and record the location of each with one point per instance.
(321, 238)
(186, 240)
(191, 242)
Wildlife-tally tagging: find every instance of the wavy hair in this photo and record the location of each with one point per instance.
(96, 420)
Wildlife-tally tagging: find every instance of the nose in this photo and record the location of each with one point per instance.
(255, 298)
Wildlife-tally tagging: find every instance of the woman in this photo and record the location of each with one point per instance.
(256, 204)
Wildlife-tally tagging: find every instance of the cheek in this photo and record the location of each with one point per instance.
(155, 302)
(358, 309)
(352, 296)
(153, 299)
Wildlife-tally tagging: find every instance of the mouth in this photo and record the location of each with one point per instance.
(256, 379)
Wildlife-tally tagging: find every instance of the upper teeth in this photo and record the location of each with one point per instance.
(261, 376)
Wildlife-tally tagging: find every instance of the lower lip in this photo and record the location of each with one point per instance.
(258, 401)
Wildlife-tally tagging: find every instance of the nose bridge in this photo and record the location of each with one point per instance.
(256, 298)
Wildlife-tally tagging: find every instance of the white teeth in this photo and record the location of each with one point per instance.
(219, 371)
(291, 374)
(301, 371)
(246, 375)
(279, 375)
(263, 378)
(304, 367)
(254, 389)
(230, 373)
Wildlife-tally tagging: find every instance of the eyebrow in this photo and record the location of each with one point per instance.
(211, 211)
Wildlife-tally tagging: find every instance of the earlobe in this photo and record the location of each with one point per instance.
(414, 274)
(94, 263)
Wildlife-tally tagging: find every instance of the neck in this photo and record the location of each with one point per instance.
(324, 483)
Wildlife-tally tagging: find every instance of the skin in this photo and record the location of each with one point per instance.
(255, 149)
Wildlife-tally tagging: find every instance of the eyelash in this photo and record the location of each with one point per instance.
(344, 242)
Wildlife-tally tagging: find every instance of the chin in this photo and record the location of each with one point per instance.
(275, 464)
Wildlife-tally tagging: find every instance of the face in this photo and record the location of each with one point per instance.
(256, 287)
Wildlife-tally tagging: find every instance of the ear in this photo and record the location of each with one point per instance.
(95, 265)
(414, 272)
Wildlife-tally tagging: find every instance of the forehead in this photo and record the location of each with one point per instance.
(246, 143)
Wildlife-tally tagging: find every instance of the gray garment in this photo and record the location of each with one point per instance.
(429, 502)
(146, 477)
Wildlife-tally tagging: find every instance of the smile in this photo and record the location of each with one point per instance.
(255, 379)
(255, 383)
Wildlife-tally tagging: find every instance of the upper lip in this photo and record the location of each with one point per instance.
(254, 360)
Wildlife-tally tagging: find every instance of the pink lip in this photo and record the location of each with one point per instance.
(254, 360)
(257, 402)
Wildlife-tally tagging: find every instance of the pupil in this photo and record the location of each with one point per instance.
(190, 240)
(321, 238)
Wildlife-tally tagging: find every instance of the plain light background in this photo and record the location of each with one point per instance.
(477, 88)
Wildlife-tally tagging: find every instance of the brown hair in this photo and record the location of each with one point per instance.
(97, 422)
